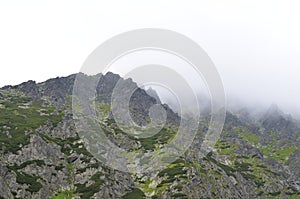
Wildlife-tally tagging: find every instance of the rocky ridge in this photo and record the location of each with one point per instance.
(42, 156)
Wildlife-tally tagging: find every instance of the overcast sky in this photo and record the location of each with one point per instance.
(254, 44)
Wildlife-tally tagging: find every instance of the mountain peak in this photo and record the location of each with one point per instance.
(150, 91)
(274, 110)
(276, 119)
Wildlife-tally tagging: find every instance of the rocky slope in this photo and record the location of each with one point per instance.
(42, 156)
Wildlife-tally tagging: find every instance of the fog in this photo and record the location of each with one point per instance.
(254, 44)
(255, 88)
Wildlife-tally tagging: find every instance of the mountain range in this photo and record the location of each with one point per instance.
(43, 156)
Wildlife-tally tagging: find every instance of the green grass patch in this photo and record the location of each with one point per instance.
(69, 144)
(224, 148)
(25, 164)
(280, 155)
(87, 192)
(24, 178)
(20, 116)
(68, 194)
(174, 171)
(164, 136)
(251, 138)
(102, 109)
(134, 194)
(180, 195)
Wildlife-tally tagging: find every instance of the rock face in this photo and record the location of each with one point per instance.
(42, 156)
(274, 118)
(153, 94)
(30, 88)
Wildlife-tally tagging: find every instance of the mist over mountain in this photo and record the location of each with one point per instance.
(43, 156)
(254, 109)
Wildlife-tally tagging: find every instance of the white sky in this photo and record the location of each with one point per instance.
(255, 44)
